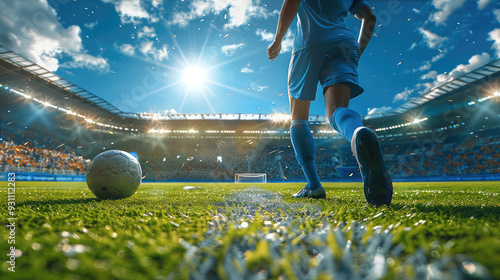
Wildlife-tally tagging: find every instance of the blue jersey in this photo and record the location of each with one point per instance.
(323, 21)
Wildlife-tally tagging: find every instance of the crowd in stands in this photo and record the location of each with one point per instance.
(475, 153)
(27, 152)
(479, 153)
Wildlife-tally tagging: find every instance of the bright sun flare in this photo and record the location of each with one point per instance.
(194, 76)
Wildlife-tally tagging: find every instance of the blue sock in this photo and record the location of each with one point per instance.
(303, 144)
(345, 121)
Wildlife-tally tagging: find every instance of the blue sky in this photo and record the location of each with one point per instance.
(136, 53)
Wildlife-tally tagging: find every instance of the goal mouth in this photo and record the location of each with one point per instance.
(258, 178)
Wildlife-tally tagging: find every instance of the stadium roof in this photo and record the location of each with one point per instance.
(55, 79)
(455, 84)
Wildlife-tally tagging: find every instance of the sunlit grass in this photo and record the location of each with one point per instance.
(63, 230)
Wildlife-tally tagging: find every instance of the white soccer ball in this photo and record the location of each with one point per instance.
(114, 174)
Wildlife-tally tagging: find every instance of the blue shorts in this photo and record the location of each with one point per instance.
(330, 64)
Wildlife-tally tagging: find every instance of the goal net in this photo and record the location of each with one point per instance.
(250, 178)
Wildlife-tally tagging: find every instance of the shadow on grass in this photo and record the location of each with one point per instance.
(63, 201)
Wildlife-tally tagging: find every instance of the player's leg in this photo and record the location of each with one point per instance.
(377, 185)
(304, 146)
(340, 83)
(342, 119)
(302, 81)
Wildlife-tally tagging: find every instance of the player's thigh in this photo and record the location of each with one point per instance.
(299, 108)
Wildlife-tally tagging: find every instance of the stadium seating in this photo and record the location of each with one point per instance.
(29, 153)
(472, 153)
(459, 154)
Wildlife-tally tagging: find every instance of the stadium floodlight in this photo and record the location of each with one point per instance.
(485, 98)
(278, 118)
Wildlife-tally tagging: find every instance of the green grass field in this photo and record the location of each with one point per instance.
(236, 231)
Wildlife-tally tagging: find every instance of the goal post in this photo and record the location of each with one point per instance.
(250, 178)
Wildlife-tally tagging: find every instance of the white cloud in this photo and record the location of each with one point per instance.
(147, 32)
(131, 11)
(428, 64)
(430, 75)
(431, 39)
(404, 95)
(246, 69)
(497, 14)
(230, 49)
(475, 61)
(265, 36)
(83, 60)
(31, 28)
(414, 45)
(197, 9)
(494, 36)
(286, 44)
(170, 111)
(434, 79)
(378, 110)
(158, 55)
(239, 12)
(256, 87)
(145, 45)
(444, 8)
(441, 54)
(157, 3)
(126, 49)
(481, 4)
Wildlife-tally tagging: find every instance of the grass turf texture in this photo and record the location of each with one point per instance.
(63, 230)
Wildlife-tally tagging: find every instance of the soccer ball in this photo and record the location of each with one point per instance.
(114, 174)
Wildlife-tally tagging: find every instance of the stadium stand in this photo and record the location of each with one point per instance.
(461, 154)
(28, 152)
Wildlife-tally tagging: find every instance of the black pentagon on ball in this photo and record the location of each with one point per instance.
(114, 174)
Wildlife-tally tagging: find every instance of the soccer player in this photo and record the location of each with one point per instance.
(326, 50)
